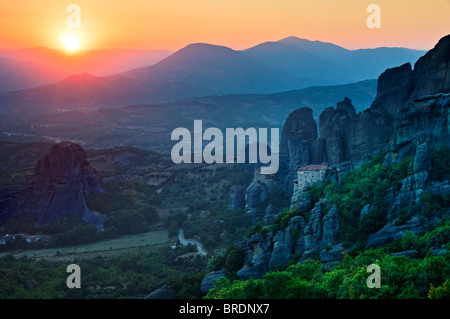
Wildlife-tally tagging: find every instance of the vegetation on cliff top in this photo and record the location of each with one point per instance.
(423, 275)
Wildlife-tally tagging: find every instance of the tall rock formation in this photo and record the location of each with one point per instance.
(348, 136)
(255, 195)
(423, 121)
(299, 133)
(404, 110)
(394, 89)
(369, 132)
(408, 109)
(334, 126)
(432, 71)
(63, 180)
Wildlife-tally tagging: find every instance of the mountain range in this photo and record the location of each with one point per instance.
(327, 63)
(96, 62)
(16, 74)
(202, 70)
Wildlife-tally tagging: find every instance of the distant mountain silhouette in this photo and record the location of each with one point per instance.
(204, 70)
(299, 62)
(326, 63)
(17, 75)
(321, 49)
(219, 68)
(95, 62)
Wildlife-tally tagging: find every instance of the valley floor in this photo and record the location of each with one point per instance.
(117, 246)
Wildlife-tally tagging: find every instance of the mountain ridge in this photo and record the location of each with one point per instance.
(201, 69)
(18, 75)
(99, 62)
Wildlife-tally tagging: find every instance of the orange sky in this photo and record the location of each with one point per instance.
(239, 24)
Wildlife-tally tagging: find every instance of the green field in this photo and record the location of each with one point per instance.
(124, 243)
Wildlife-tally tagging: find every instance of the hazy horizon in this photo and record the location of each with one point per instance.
(81, 51)
(143, 25)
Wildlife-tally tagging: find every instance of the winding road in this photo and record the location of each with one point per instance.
(186, 242)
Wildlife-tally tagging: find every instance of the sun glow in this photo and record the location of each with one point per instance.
(71, 42)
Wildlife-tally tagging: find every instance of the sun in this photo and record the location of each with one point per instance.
(71, 42)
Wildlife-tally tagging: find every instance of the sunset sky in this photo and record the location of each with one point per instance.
(239, 24)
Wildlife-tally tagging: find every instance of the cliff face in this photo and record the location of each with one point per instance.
(63, 180)
(420, 125)
(256, 193)
(334, 124)
(432, 71)
(394, 89)
(424, 120)
(352, 137)
(410, 194)
(424, 117)
(299, 133)
(415, 104)
(369, 132)
(409, 116)
(431, 75)
(315, 238)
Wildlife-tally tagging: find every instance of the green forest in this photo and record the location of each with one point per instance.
(131, 276)
(423, 275)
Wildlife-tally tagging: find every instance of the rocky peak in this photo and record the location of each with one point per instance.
(347, 105)
(65, 159)
(300, 123)
(334, 126)
(394, 89)
(432, 71)
(401, 84)
(62, 182)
